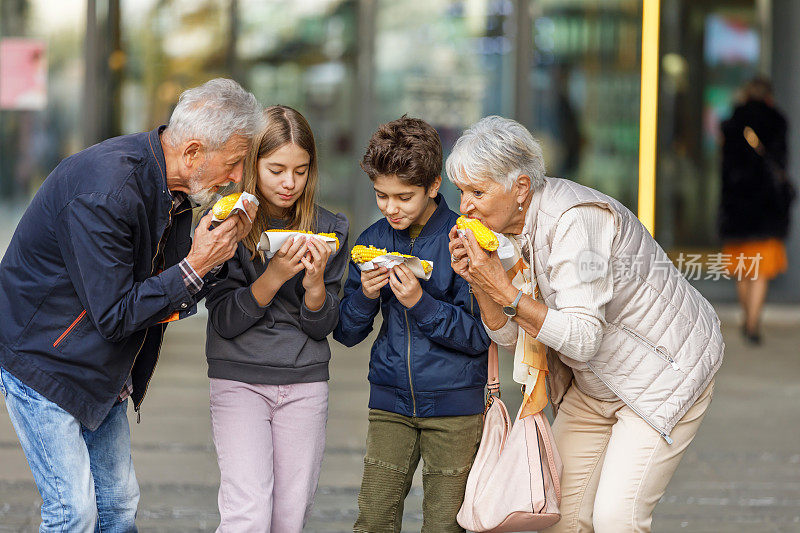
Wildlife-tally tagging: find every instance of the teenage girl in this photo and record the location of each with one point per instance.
(267, 346)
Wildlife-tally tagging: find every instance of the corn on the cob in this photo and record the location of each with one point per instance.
(330, 235)
(485, 237)
(224, 205)
(362, 254)
(427, 266)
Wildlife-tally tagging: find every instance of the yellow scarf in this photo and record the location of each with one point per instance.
(530, 355)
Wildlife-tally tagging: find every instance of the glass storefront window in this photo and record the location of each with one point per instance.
(169, 46)
(33, 141)
(584, 84)
(303, 54)
(299, 54)
(709, 50)
(447, 62)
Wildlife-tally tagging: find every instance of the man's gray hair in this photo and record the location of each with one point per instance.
(499, 149)
(213, 113)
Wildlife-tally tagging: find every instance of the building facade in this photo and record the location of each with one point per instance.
(570, 70)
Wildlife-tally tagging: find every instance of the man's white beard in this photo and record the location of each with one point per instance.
(204, 197)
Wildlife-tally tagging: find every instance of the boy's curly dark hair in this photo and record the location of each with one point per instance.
(410, 148)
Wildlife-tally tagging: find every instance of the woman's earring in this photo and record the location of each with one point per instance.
(519, 208)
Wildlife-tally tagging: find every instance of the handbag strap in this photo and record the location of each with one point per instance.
(548, 448)
(493, 374)
(493, 385)
(758, 147)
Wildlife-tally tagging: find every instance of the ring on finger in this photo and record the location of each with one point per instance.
(453, 258)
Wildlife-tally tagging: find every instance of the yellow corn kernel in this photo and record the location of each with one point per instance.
(362, 254)
(485, 237)
(330, 235)
(224, 206)
(399, 254)
(427, 266)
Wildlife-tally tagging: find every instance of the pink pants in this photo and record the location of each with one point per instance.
(269, 441)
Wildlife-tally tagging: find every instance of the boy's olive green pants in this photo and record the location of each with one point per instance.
(395, 444)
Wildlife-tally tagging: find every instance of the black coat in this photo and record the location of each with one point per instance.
(81, 299)
(752, 205)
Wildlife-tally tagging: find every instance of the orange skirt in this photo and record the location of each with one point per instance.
(755, 259)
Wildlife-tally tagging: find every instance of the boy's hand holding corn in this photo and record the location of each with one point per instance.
(405, 285)
(372, 281)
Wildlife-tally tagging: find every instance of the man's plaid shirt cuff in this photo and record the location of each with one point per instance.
(192, 281)
(127, 390)
(193, 284)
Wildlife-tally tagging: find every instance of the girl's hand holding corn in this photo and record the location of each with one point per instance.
(405, 285)
(314, 262)
(285, 264)
(372, 281)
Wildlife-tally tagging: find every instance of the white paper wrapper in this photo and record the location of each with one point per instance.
(505, 249)
(239, 206)
(271, 241)
(389, 260)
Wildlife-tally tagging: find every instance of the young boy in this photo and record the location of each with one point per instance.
(427, 369)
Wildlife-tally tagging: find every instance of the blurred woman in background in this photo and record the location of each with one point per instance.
(756, 198)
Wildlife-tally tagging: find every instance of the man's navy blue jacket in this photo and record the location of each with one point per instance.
(428, 360)
(81, 295)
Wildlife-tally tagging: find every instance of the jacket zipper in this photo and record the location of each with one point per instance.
(630, 404)
(137, 408)
(408, 358)
(660, 351)
(69, 329)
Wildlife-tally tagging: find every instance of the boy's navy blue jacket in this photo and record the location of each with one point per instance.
(81, 295)
(429, 360)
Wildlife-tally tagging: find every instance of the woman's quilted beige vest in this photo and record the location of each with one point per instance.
(662, 342)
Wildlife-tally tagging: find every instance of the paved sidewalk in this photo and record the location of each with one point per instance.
(741, 474)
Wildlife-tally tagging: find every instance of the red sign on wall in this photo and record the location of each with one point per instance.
(23, 74)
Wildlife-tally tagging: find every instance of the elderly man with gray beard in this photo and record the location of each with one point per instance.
(100, 262)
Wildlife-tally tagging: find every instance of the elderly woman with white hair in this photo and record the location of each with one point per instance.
(632, 347)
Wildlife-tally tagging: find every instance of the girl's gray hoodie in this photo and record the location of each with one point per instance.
(282, 342)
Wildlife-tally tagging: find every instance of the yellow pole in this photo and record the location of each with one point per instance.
(648, 114)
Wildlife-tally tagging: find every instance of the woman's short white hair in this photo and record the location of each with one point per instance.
(499, 149)
(213, 113)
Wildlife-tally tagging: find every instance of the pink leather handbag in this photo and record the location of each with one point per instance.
(513, 484)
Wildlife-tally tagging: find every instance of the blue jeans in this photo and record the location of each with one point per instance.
(85, 478)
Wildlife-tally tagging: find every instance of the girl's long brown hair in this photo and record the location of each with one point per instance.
(283, 125)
